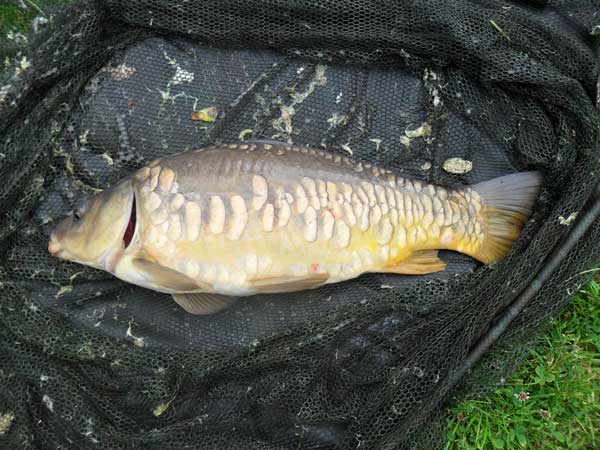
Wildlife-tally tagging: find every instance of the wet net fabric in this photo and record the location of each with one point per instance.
(88, 361)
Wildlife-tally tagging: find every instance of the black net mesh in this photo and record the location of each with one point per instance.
(87, 361)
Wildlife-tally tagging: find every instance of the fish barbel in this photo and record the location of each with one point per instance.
(264, 217)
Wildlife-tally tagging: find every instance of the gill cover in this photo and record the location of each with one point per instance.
(94, 233)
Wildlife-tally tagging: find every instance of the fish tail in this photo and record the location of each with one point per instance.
(507, 203)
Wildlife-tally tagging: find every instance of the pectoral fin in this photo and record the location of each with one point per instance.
(288, 283)
(165, 277)
(203, 304)
(418, 263)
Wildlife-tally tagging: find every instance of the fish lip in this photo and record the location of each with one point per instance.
(56, 252)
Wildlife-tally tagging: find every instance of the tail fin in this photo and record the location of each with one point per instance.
(507, 204)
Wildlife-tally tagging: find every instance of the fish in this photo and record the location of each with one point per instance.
(232, 220)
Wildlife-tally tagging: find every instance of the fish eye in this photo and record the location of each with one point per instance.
(79, 210)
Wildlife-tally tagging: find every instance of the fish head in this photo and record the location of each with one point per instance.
(97, 232)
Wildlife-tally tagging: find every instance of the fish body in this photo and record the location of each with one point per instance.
(263, 217)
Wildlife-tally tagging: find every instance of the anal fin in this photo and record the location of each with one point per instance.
(203, 304)
(418, 263)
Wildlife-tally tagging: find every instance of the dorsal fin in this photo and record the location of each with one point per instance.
(266, 141)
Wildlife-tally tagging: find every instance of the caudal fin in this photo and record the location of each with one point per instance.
(507, 204)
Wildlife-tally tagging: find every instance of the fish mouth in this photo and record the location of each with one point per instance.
(130, 229)
(57, 253)
(54, 248)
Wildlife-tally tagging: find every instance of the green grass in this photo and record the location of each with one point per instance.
(559, 384)
(18, 19)
(552, 401)
(13, 18)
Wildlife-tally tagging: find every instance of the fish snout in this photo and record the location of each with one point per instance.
(54, 247)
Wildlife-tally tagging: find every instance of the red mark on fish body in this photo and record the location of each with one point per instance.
(314, 267)
(335, 213)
